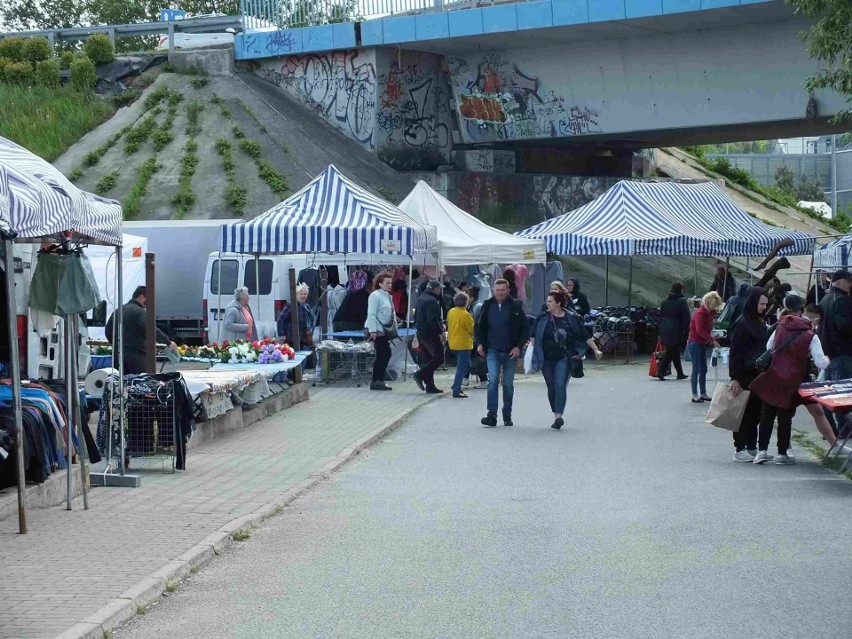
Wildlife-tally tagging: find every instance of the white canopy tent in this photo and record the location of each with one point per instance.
(465, 240)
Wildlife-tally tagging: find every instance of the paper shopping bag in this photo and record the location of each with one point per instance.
(726, 411)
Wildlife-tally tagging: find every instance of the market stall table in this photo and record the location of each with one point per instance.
(835, 396)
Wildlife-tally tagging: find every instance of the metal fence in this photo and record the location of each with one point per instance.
(289, 14)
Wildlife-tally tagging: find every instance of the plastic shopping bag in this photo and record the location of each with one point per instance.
(528, 365)
(726, 411)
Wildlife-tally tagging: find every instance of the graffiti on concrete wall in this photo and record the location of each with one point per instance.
(556, 195)
(413, 117)
(340, 86)
(497, 100)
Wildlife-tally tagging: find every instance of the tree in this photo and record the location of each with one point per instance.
(784, 180)
(810, 190)
(830, 41)
(43, 14)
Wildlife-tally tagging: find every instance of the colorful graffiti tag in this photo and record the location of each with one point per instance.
(340, 86)
(499, 101)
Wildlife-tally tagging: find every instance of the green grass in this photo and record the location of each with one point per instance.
(240, 535)
(133, 202)
(48, 121)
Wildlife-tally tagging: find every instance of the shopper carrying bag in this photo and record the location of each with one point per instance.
(726, 409)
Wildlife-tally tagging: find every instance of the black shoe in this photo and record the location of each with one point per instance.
(661, 378)
(507, 420)
(489, 420)
(682, 377)
(557, 423)
(433, 391)
(419, 382)
(460, 395)
(697, 401)
(705, 398)
(380, 386)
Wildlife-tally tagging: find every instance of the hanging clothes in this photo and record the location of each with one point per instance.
(541, 277)
(63, 284)
(521, 274)
(311, 277)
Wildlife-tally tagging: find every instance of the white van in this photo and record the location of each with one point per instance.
(239, 270)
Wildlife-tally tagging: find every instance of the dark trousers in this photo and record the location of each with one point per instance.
(433, 352)
(785, 427)
(746, 437)
(383, 355)
(671, 357)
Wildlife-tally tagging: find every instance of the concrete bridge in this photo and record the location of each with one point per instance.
(615, 74)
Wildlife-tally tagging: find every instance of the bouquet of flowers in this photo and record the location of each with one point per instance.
(242, 353)
(269, 354)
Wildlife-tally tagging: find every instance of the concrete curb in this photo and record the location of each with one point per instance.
(134, 600)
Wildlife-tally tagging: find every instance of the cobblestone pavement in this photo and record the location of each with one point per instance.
(72, 564)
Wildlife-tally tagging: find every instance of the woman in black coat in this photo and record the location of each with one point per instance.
(581, 302)
(674, 329)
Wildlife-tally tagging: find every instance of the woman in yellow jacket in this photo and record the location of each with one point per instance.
(460, 338)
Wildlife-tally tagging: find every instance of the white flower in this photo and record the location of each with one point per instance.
(233, 350)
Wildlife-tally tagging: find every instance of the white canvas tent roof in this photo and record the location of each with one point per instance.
(464, 239)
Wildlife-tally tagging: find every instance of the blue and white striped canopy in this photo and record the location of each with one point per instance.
(331, 214)
(834, 255)
(663, 218)
(36, 200)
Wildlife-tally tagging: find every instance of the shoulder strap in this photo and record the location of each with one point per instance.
(787, 342)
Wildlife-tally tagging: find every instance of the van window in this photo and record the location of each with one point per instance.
(250, 282)
(230, 270)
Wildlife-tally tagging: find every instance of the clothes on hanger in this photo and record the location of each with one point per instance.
(521, 274)
(63, 284)
(311, 277)
(483, 279)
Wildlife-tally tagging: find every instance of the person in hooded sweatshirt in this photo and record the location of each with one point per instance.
(748, 341)
(581, 302)
(674, 329)
(778, 387)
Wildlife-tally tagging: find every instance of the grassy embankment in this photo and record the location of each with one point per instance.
(48, 121)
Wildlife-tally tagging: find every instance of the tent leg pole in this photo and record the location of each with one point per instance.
(408, 316)
(74, 404)
(257, 288)
(727, 272)
(811, 274)
(69, 414)
(219, 302)
(748, 268)
(119, 327)
(630, 284)
(15, 373)
(606, 283)
(695, 276)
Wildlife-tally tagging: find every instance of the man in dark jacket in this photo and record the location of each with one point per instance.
(133, 330)
(674, 328)
(724, 283)
(835, 331)
(430, 335)
(503, 331)
(748, 342)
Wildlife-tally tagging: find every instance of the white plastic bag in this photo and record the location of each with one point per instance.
(528, 365)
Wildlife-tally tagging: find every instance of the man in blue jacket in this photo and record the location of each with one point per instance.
(503, 331)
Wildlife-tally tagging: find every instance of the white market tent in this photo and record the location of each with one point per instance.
(38, 203)
(664, 218)
(463, 239)
(331, 214)
(104, 267)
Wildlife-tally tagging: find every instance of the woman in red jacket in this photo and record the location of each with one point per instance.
(700, 340)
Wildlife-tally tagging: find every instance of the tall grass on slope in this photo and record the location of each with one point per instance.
(48, 121)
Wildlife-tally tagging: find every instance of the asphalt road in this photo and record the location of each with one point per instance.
(630, 522)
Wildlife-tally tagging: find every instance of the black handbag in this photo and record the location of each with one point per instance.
(577, 367)
(762, 363)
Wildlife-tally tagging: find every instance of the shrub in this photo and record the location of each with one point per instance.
(162, 138)
(19, 73)
(106, 183)
(66, 59)
(12, 48)
(155, 97)
(175, 98)
(37, 49)
(99, 49)
(47, 73)
(83, 77)
(199, 83)
(250, 148)
(4, 62)
(125, 98)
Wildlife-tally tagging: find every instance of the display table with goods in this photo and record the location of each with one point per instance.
(341, 360)
(835, 396)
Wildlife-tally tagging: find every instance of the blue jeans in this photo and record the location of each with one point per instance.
(499, 361)
(556, 376)
(462, 369)
(698, 356)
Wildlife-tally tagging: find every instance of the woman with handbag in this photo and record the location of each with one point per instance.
(748, 341)
(382, 327)
(559, 337)
(674, 327)
(700, 339)
(785, 365)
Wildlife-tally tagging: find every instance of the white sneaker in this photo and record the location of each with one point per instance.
(481, 385)
(752, 452)
(465, 383)
(762, 457)
(743, 456)
(783, 460)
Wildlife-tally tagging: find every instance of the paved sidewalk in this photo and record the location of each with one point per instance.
(81, 571)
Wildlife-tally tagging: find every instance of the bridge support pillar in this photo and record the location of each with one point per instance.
(51, 38)
(171, 39)
(111, 34)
